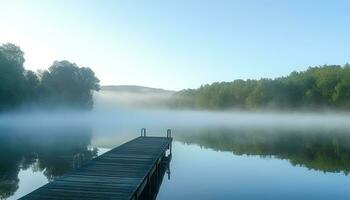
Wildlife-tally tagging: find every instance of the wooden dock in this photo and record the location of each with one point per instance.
(133, 170)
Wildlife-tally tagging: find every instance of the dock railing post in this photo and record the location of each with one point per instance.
(143, 132)
(168, 135)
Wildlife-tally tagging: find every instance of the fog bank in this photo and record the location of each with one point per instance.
(116, 115)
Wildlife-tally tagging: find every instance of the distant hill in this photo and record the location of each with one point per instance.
(134, 89)
(132, 96)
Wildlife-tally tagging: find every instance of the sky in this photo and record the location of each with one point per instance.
(179, 44)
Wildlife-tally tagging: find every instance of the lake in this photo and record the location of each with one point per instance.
(215, 155)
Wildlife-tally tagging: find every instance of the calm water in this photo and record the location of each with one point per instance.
(209, 161)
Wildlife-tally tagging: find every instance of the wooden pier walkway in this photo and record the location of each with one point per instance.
(130, 171)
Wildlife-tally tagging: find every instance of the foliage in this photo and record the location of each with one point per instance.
(317, 87)
(64, 83)
(12, 80)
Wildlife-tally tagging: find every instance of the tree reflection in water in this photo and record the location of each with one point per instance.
(324, 150)
(52, 151)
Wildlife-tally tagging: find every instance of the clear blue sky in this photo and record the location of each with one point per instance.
(179, 44)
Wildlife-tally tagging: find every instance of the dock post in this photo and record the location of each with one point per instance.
(143, 132)
(168, 135)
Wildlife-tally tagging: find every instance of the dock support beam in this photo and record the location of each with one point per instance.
(151, 184)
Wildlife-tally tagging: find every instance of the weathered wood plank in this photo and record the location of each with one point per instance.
(117, 174)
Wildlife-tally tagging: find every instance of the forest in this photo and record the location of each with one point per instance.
(62, 84)
(320, 87)
(66, 84)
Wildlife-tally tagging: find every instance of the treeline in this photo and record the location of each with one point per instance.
(318, 87)
(62, 84)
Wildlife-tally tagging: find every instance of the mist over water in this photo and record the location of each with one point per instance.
(118, 113)
(46, 144)
(114, 120)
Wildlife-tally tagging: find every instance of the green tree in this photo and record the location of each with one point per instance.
(67, 84)
(323, 86)
(12, 79)
(32, 83)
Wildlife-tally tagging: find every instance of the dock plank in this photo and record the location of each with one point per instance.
(117, 174)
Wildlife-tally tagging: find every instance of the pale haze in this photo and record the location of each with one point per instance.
(179, 44)
(284, 138)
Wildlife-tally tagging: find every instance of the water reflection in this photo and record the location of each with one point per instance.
(324, 150)
(50, 151)
(156, 180)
